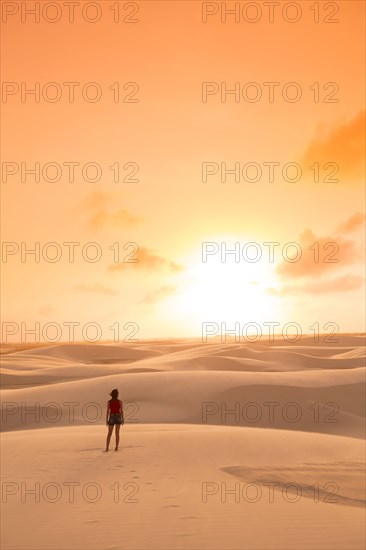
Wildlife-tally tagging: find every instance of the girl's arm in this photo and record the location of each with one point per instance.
(108, 411)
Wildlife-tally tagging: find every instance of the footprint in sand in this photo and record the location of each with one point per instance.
(171, 506)
(92, 521)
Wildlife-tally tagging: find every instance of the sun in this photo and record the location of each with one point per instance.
(226, 291)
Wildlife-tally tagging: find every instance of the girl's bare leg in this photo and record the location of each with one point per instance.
(118, 426)
(110, 431)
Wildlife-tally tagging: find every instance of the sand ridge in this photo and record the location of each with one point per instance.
(212, 455)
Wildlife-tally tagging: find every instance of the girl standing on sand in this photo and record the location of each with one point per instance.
(114, 417)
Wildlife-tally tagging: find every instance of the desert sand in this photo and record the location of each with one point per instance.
(225, 445)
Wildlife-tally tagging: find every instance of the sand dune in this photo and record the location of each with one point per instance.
(207, 425)
(185, 487)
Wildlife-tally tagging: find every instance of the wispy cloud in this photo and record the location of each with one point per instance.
(353, 223)
(343, 144)
(100, 206)
(148, 259)
(96, 289)
(334, 251)
(158, 294)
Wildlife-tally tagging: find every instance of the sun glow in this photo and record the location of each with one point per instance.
(226, 291)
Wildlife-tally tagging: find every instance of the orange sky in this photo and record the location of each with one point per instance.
(169, 212)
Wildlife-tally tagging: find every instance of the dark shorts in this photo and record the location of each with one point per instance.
(115, 418)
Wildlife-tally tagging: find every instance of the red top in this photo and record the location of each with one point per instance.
(114, 406)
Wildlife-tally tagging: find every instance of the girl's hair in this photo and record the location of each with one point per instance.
(114, 394)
